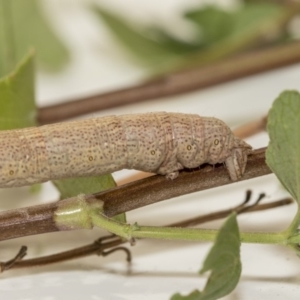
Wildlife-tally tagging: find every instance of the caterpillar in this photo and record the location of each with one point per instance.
(161, 143)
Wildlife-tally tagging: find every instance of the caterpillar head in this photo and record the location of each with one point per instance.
(237, 160)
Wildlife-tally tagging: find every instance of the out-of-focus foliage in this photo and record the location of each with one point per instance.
(17, 101)
(23, 25)
(85, 185)
(153, 48)
(251, 20)
(219, 33)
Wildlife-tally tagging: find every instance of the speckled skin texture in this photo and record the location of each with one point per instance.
(161, 143)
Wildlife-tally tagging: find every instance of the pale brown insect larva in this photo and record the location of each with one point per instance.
(161, 143)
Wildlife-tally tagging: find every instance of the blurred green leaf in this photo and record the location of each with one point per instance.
(35, 188)
(22, 25)
(217, 24)
(142, 46)
(71, 187)
(220, 33)
(250, 26)
(17, 99)
(224, 262)
(283, 153)
(214, 23)
(121, 218)
(173, 44)
(256, 18)
(7, 48)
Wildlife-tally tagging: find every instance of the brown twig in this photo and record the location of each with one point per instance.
(39, 219)
(157, 188)
(177, 83)
(98, 247)
(4, 266)
(224, 213)
(251, 128)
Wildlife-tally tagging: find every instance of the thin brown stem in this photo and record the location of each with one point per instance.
(177, 83)
(156, 188)
(4, 266)
(224, 213)
(251, 128)
(99, 247)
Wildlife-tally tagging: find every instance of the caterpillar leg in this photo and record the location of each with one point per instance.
(172, 175)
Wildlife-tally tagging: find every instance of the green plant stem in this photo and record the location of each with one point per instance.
(292, 230)
(207, 235)
(277, 238)
(295, 223)
(130, 232)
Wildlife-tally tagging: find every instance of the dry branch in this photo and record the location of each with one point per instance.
(177, 83)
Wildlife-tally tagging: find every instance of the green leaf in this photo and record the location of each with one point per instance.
(220, 33)
(283, 153)
(224, 262)
(249, 21)
(71, 187)
(22, 25)
(171, 43)
(121, 218)
(255, 18)
(132, 39)
(17, 99)
(7, 47)
(247, 27)
(214, 22)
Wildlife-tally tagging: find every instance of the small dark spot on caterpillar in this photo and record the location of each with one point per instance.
(189, 147)
(91, 158)
(216, 142)
(11, 172)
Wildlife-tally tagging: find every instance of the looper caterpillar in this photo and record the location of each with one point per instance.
(161, 143)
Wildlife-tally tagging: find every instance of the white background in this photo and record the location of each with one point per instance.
(159, 268)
